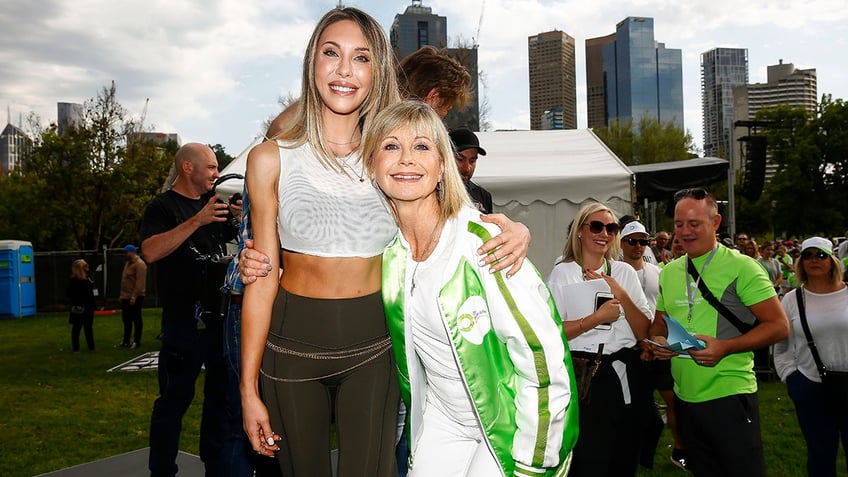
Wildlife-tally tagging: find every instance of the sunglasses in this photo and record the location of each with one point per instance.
(596, 227)
(632, 242)
(697, 194)
(809, 254)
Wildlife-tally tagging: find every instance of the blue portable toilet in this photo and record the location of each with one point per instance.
(17, 279)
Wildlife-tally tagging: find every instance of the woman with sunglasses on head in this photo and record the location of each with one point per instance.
(824, 297)
(610, 437)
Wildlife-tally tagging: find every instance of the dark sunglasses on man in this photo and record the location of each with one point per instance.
(596, 226)
(697, 194)
(633, 241)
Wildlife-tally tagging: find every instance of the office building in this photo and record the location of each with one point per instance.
(643, 78)
(722, 70)
(68, 115)
(14, 146)
(595, 81)
(418, 26)
(552, 78)
(785, 85)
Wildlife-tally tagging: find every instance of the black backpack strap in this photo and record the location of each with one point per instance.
(715, 303)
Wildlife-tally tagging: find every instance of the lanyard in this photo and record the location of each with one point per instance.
(690, 287)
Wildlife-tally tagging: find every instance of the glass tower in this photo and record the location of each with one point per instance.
(642, 77)
(722, 69)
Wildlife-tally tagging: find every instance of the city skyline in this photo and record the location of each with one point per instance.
(217, 77)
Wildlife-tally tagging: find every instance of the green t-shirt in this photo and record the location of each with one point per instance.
(736, 280)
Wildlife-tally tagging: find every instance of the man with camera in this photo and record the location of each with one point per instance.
(186, 230)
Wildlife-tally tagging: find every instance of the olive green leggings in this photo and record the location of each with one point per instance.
(331, 358)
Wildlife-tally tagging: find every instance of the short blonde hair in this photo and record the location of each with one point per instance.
(421, 118)
(573, 251)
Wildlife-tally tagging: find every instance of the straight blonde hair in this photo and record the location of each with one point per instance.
(307, 125)
(573, 251)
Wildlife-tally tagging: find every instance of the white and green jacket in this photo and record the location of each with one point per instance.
(511, 350)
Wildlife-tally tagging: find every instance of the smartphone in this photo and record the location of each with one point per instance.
(600, 299)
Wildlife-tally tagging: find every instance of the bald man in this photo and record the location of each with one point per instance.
(185, 230)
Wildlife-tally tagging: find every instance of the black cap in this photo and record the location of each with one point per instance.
(463, 139)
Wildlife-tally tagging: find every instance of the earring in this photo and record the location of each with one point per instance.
(580, 237)
(440, 191)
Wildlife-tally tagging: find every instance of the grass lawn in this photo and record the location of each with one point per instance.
(61, 409)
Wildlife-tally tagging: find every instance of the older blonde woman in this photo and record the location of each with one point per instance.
(482, 361)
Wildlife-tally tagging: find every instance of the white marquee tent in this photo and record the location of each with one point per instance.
(540, 178)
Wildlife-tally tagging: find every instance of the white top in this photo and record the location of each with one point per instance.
(445, 387)
(621, 336)
(827, 317)
(649, 279)
(326, 213)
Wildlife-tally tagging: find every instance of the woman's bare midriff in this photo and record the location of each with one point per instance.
(322, 277)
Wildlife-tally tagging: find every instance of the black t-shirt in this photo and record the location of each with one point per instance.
(190, 273)
(481, 197)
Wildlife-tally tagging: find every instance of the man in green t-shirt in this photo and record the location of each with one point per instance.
(718, 413)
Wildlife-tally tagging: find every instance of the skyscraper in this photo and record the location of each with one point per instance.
(643, 78)
(552, 78)
(722, 69)
(14, 146)
(784, 85)
(595, 80)
(68, 115)
(418, 26)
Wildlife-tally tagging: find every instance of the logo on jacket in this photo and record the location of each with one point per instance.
(473, 320)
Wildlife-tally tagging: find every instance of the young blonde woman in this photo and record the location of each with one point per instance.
(620, 391)
(482, 360)
(315, 213)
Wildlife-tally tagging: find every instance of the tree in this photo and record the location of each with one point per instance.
(649, 142)
(87, 187)
(810, 155)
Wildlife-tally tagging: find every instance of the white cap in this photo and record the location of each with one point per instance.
(822, 244)
(633, 228)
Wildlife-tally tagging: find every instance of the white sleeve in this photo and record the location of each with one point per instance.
(784, 351)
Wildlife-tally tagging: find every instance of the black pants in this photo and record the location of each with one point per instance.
(300, 390)
(180, 363)
(82, 322)
(611, 431)
(131, 316)
(722, 436)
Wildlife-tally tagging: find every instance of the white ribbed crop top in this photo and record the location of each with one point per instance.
(326, 213)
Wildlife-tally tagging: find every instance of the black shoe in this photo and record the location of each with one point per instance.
(678, 458)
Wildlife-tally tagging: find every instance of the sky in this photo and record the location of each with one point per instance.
(213, 71)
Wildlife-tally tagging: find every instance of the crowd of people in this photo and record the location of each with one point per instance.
(373, 291)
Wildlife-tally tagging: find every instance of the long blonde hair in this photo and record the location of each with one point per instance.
(573, 251)
(422, 119)
(307, 125)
